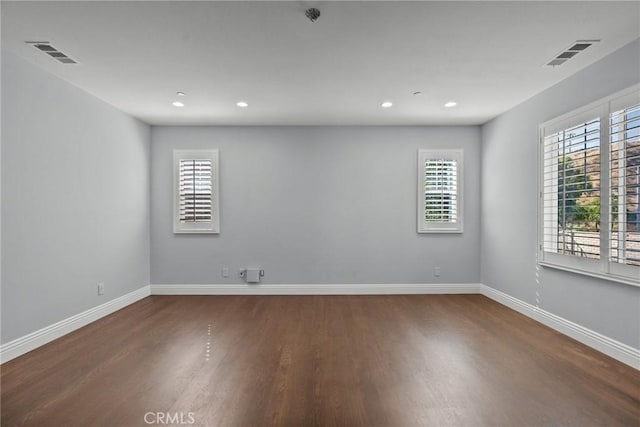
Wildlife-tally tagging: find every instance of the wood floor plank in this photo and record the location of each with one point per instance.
(403, 360)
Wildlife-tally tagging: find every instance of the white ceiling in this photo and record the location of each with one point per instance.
(487, 56)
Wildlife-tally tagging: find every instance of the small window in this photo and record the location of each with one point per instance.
(196, 208)
(440, 191)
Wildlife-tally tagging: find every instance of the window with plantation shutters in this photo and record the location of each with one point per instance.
(624, 218)
(590, 189)
(439, 191)
(571, 188)
(196, 191)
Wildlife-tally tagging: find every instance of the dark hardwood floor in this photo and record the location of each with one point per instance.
(437, 360)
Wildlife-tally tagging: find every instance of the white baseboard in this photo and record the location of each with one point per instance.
(316, 289)
(615, 349)
(29, 342)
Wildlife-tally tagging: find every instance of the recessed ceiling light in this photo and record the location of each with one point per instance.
(450, 104)
(386, 104)
(177, 104)
(181, 94)
(242, 104)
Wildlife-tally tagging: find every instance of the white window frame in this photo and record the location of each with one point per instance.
(602, 268)
(441, 227)
(210, 227)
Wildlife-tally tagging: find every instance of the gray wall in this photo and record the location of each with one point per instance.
(509, 206)
(315, 205)
(75, 200)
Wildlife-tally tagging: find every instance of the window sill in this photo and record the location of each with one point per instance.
(440, 231)
(195, 232)
(603, 276)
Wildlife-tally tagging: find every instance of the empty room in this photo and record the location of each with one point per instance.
(331, 213)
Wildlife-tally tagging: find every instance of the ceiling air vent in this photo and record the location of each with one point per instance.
(570, 52)
(45, 47)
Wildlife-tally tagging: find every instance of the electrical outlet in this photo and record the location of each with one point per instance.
(100, 288)
(436, 271)
(225, 272)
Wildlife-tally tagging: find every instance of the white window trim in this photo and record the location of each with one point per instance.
(212, 227)
(601, 268)
(440, 227)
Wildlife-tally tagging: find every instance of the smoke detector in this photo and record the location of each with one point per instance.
(313, 14)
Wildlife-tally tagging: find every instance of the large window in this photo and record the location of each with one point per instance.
(440, 191)
(196, 191)
(589, 181)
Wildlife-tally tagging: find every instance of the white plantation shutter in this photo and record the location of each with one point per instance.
(571, 190)
(195, 190)
(196, 195)
(624, 218)
(439, 191)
